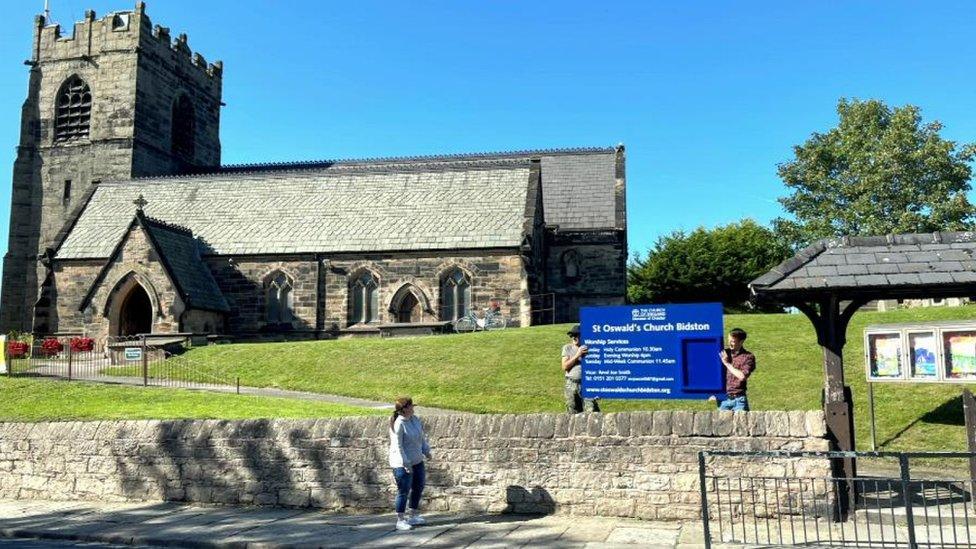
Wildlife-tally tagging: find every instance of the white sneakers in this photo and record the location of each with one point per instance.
(409, 522)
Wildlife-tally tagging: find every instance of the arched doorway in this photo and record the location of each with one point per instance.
(136, 312)
(409, 304)
(409, 309)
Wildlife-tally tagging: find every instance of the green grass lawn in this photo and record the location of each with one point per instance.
(36, 399)
(518, 371)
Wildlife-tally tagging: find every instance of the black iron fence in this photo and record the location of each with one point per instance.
(543, 307)
(147, 360)
(791, 499)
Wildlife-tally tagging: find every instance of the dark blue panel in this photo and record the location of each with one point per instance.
(653, 351)
(698, 356)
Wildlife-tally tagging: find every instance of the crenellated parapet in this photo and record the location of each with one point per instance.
(124, 31)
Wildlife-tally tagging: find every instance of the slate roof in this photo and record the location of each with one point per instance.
(892, 265)
(578, 183)
(179, 253)
(343, 207)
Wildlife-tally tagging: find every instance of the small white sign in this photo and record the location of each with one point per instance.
(133, 354)
(3, 354)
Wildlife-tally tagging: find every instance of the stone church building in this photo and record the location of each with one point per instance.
(124, 221)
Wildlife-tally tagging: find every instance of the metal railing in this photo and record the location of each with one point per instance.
(791, 499)
(147, 360)
(543, 307)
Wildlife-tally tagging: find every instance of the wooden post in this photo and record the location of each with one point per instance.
(874, 429)
(969, 411)
(830, 323)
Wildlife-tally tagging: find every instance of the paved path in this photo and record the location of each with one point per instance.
(174, 525)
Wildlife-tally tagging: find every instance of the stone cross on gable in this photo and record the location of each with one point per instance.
(140, 203)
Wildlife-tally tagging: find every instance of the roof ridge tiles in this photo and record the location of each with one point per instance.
(346, 168)
(431, 157)
(167, 225)
(902, 239)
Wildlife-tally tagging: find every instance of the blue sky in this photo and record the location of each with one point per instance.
(707, 96)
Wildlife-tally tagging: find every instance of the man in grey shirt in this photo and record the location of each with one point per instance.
(572, 360)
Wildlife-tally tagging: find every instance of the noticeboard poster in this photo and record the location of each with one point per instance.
(653, 351)
(885, 355)
(960, 354)
(922, 355)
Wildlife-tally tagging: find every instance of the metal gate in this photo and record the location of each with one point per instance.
(147, 360)
(913, 499)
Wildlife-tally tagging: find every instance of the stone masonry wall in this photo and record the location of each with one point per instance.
(640, 464)
(602, 275)
(73, 280)
(244, 282)
(493, 276)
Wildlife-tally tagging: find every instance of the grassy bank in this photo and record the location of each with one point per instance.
(517, 371)
(26, 399)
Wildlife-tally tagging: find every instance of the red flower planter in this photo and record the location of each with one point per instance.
(82, 344)
(17, 349)
(51, 346)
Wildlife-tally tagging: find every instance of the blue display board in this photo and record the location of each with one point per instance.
(653, 351)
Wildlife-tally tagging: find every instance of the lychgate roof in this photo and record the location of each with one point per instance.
(340, 208)
(877, 266)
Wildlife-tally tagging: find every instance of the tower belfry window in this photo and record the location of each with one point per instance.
(184, 128)
(72, 117)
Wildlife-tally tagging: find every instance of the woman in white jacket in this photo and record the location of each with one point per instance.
(408, 447)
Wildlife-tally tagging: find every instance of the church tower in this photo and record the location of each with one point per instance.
(116, 99)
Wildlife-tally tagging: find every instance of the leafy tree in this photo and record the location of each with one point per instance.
(880, 171)
(706, 265)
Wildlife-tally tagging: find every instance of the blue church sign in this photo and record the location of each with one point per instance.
(653, 351)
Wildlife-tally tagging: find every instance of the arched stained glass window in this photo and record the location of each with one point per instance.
(72, 113)
(280, 300)
(455, 295)
(365, 299)
(184, 128)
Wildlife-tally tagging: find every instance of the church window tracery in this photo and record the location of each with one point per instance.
(72, 117)
(365, 299)
(280, 300)
(455, 295)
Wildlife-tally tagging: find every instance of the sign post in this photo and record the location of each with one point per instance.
(653, 351)
(3, 354)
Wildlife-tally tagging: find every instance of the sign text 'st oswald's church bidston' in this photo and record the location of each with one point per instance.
(123, 220)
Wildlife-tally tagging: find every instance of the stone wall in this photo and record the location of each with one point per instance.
(244, 282)
(640, 464)
(601, 270)
(492, 275)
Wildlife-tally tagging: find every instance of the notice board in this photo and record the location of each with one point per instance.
(653, 351)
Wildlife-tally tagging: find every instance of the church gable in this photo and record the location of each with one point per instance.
(158, 267)
(133, 293)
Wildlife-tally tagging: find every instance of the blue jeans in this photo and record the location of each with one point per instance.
(736, 404)
(412, 485)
